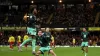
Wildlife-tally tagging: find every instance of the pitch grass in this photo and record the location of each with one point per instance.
(61, 51)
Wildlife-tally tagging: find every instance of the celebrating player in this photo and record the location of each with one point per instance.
(45, 39)
(84, 43)
(31, 29)
(11, 41)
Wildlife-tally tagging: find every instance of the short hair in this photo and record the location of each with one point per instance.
(40, 30)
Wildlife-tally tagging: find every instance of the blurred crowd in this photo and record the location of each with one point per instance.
(61, 38)
(75, 15)
(71, 15)
(66, 38)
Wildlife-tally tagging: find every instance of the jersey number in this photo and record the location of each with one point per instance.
(84, 36)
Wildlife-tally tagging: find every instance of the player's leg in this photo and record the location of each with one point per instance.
(10, 45)
(51, 44)
(26, 46)
(38, 53)
(73, 44)
(29, 31)
(33, 46)
(52, 52)
(29, 39)
(82, 47)
(18, 44)
(41, 51)
(33, 34)
(54, 45)
(86, 48)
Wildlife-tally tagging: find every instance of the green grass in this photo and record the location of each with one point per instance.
(61, 51)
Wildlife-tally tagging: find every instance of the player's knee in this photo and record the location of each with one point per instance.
(38, 53)
(52, 52)
(82, 48)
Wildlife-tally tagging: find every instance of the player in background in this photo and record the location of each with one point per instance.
(52, 43)
(25, 38)
(31, 29)
(11, 41)
(18, 40)
(84, 44)
(45, 39)
(73, 41)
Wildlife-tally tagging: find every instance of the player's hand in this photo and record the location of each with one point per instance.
(81, 39)
(25, 17)
(35, 11)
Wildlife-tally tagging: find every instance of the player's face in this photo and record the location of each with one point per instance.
(35, 11)
(84, 29)
(39, 33)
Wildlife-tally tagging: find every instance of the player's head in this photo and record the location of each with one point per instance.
(34, 11)
(84, 29)
(40, 33)
(18, 36)
(47, 29)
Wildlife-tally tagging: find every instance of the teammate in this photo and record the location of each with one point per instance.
(84, 44)
(52, 43)
(25, 38)
(45, 39)
(11, 41)
(31, 29)
(19, 40)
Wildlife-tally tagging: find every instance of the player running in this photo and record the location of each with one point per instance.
(31, 29)
(84, 44)
(11, 41)
(45, 39)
